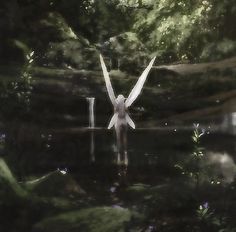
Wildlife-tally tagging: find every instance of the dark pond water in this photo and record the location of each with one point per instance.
(163, 182)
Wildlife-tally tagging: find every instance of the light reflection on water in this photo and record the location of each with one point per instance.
(229, 123)
(224, 166)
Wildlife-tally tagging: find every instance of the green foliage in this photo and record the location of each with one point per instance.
(16, 93)
(175, 30)
(56, 28)
(23, 88)
(208, 218)
(180, 30)
(96, 20)
(121, 46)
(218, 50)
(192, 166)
(203, 212)
(72, 53)
(197, 134)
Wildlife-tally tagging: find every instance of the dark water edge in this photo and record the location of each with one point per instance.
(151, 185)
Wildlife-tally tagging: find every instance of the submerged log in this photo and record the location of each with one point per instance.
(56, 183)
(9, 187)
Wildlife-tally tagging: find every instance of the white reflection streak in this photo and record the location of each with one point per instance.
(91, 111)
(226, 164)
(91, 101)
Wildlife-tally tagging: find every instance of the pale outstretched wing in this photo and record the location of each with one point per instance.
(107, 81)
(113, 121)
(139, 85)
(129, 121)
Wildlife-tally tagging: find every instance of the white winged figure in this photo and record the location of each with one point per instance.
(121, 117)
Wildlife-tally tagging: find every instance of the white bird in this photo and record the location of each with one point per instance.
(121, 105)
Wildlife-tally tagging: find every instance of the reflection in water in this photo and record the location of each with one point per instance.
(225, 166)
(91, 101)
(229, 123)
(121, 135)
(122, 154)
(122, 174)
(234, 118)
(92, 148)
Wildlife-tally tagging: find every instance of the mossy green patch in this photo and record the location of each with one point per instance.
(173, 196)
(97, 219)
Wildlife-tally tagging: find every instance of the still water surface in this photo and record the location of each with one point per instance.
(162, 180)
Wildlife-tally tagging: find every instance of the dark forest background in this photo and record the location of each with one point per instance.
(71, 32)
